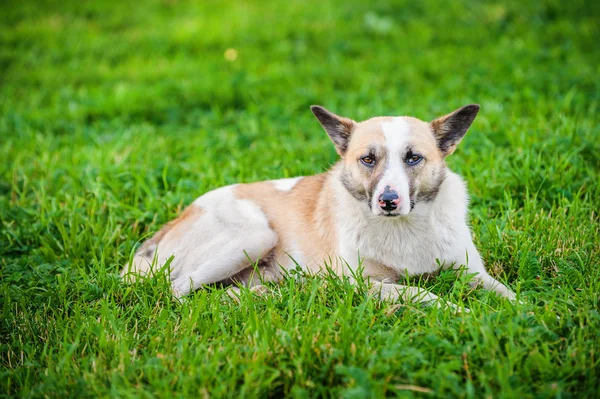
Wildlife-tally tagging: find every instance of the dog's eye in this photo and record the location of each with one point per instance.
(369, 161)
(413, 159)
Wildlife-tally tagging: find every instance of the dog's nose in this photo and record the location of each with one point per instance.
(389, 200)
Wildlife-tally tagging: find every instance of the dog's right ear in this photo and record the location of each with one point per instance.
(337, 127)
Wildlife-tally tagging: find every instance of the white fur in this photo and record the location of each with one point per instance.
(229, 235)
(396, 137)
(409, 244)
(413, 244)
(286, 184)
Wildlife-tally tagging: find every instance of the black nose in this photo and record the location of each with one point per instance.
(389, 200)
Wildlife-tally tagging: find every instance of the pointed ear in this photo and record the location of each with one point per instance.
(450, 129)
(337, 127)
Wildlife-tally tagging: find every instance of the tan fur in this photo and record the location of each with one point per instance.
(178, 225)
(297, 216)
(369, 133)
(422, 138)
(176, 228)
(366, 134)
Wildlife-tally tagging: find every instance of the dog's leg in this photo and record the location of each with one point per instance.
(490, 283)
(227, 261)
(392, 292)
(144, 262)
(472, 260)
(385, 290)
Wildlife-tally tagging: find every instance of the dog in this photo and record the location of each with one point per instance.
(390, 207)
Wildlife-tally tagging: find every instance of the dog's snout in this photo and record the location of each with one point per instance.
(389, 199)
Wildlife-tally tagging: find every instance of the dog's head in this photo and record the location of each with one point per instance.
(393, 163)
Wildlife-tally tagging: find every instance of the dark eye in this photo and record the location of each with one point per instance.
(368, 160)
(413, 159)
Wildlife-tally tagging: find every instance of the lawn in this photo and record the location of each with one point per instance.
(116, 115)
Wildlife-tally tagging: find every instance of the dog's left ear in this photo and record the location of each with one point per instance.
(337, 127)
(450, 129)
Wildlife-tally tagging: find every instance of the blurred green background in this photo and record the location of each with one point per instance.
(114, 115)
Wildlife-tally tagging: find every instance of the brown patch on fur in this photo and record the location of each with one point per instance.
(175, 228)
(182, 224)
(301, 217)
(366, 134)
(422, 140)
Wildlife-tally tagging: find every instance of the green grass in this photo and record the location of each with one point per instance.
(115, 115)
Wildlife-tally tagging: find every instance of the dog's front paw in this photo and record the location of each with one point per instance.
(441, 304)
(260, 290)
(180, 288)
(457, 309)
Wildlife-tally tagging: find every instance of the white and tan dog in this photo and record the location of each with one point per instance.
(389, 205)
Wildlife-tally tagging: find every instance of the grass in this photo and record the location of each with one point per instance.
(115, 115)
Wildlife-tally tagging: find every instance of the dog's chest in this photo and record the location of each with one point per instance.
(412, 248)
